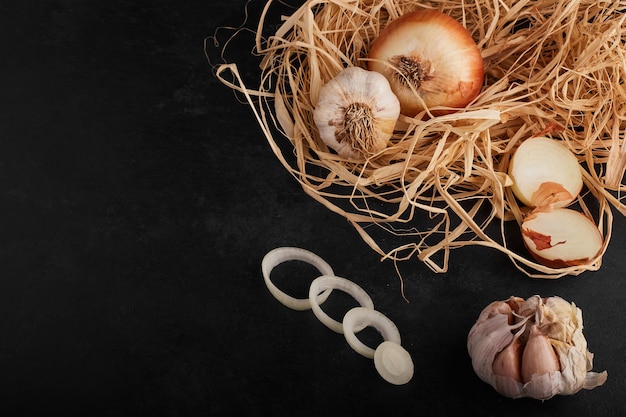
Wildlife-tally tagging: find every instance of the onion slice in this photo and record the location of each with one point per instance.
(329, 282)
(393, 363)
(359, 318)
(284, 254)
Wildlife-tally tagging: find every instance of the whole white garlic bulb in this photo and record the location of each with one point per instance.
(356, 113)
(532, 348)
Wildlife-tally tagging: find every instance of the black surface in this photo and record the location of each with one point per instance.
(138, 199)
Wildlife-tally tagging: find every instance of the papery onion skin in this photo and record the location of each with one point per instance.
(440, 54)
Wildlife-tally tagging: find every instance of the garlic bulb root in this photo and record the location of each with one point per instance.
(532, 348)
(356, 113)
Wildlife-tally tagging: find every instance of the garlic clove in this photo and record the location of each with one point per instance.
(356, 113)
(507, 370)
(491, 334)
(538, 357)
(545, 173)
(561, 237)
(430, 60)
(508, 362)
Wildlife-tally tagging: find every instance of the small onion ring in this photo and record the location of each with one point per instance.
(359, 318)
(284, 254)
(327, 282)
(393, 363)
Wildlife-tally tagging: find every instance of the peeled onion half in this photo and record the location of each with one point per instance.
(561, 237)
(545, 173)
(430, 60)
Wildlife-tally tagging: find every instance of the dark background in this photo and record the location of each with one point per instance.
(138, 199)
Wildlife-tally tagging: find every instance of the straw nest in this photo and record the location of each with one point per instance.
(552, 67)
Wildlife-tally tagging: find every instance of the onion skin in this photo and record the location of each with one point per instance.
(451, 67)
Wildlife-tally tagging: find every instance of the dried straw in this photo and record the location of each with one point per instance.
(553, 67)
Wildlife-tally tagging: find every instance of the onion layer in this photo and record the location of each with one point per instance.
(358, 318)
(284, 254)
(329, 282)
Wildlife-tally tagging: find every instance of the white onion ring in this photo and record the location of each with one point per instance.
(284, 254)
(393, 363)
(333, 282)
(359, 318)
(391, 360)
